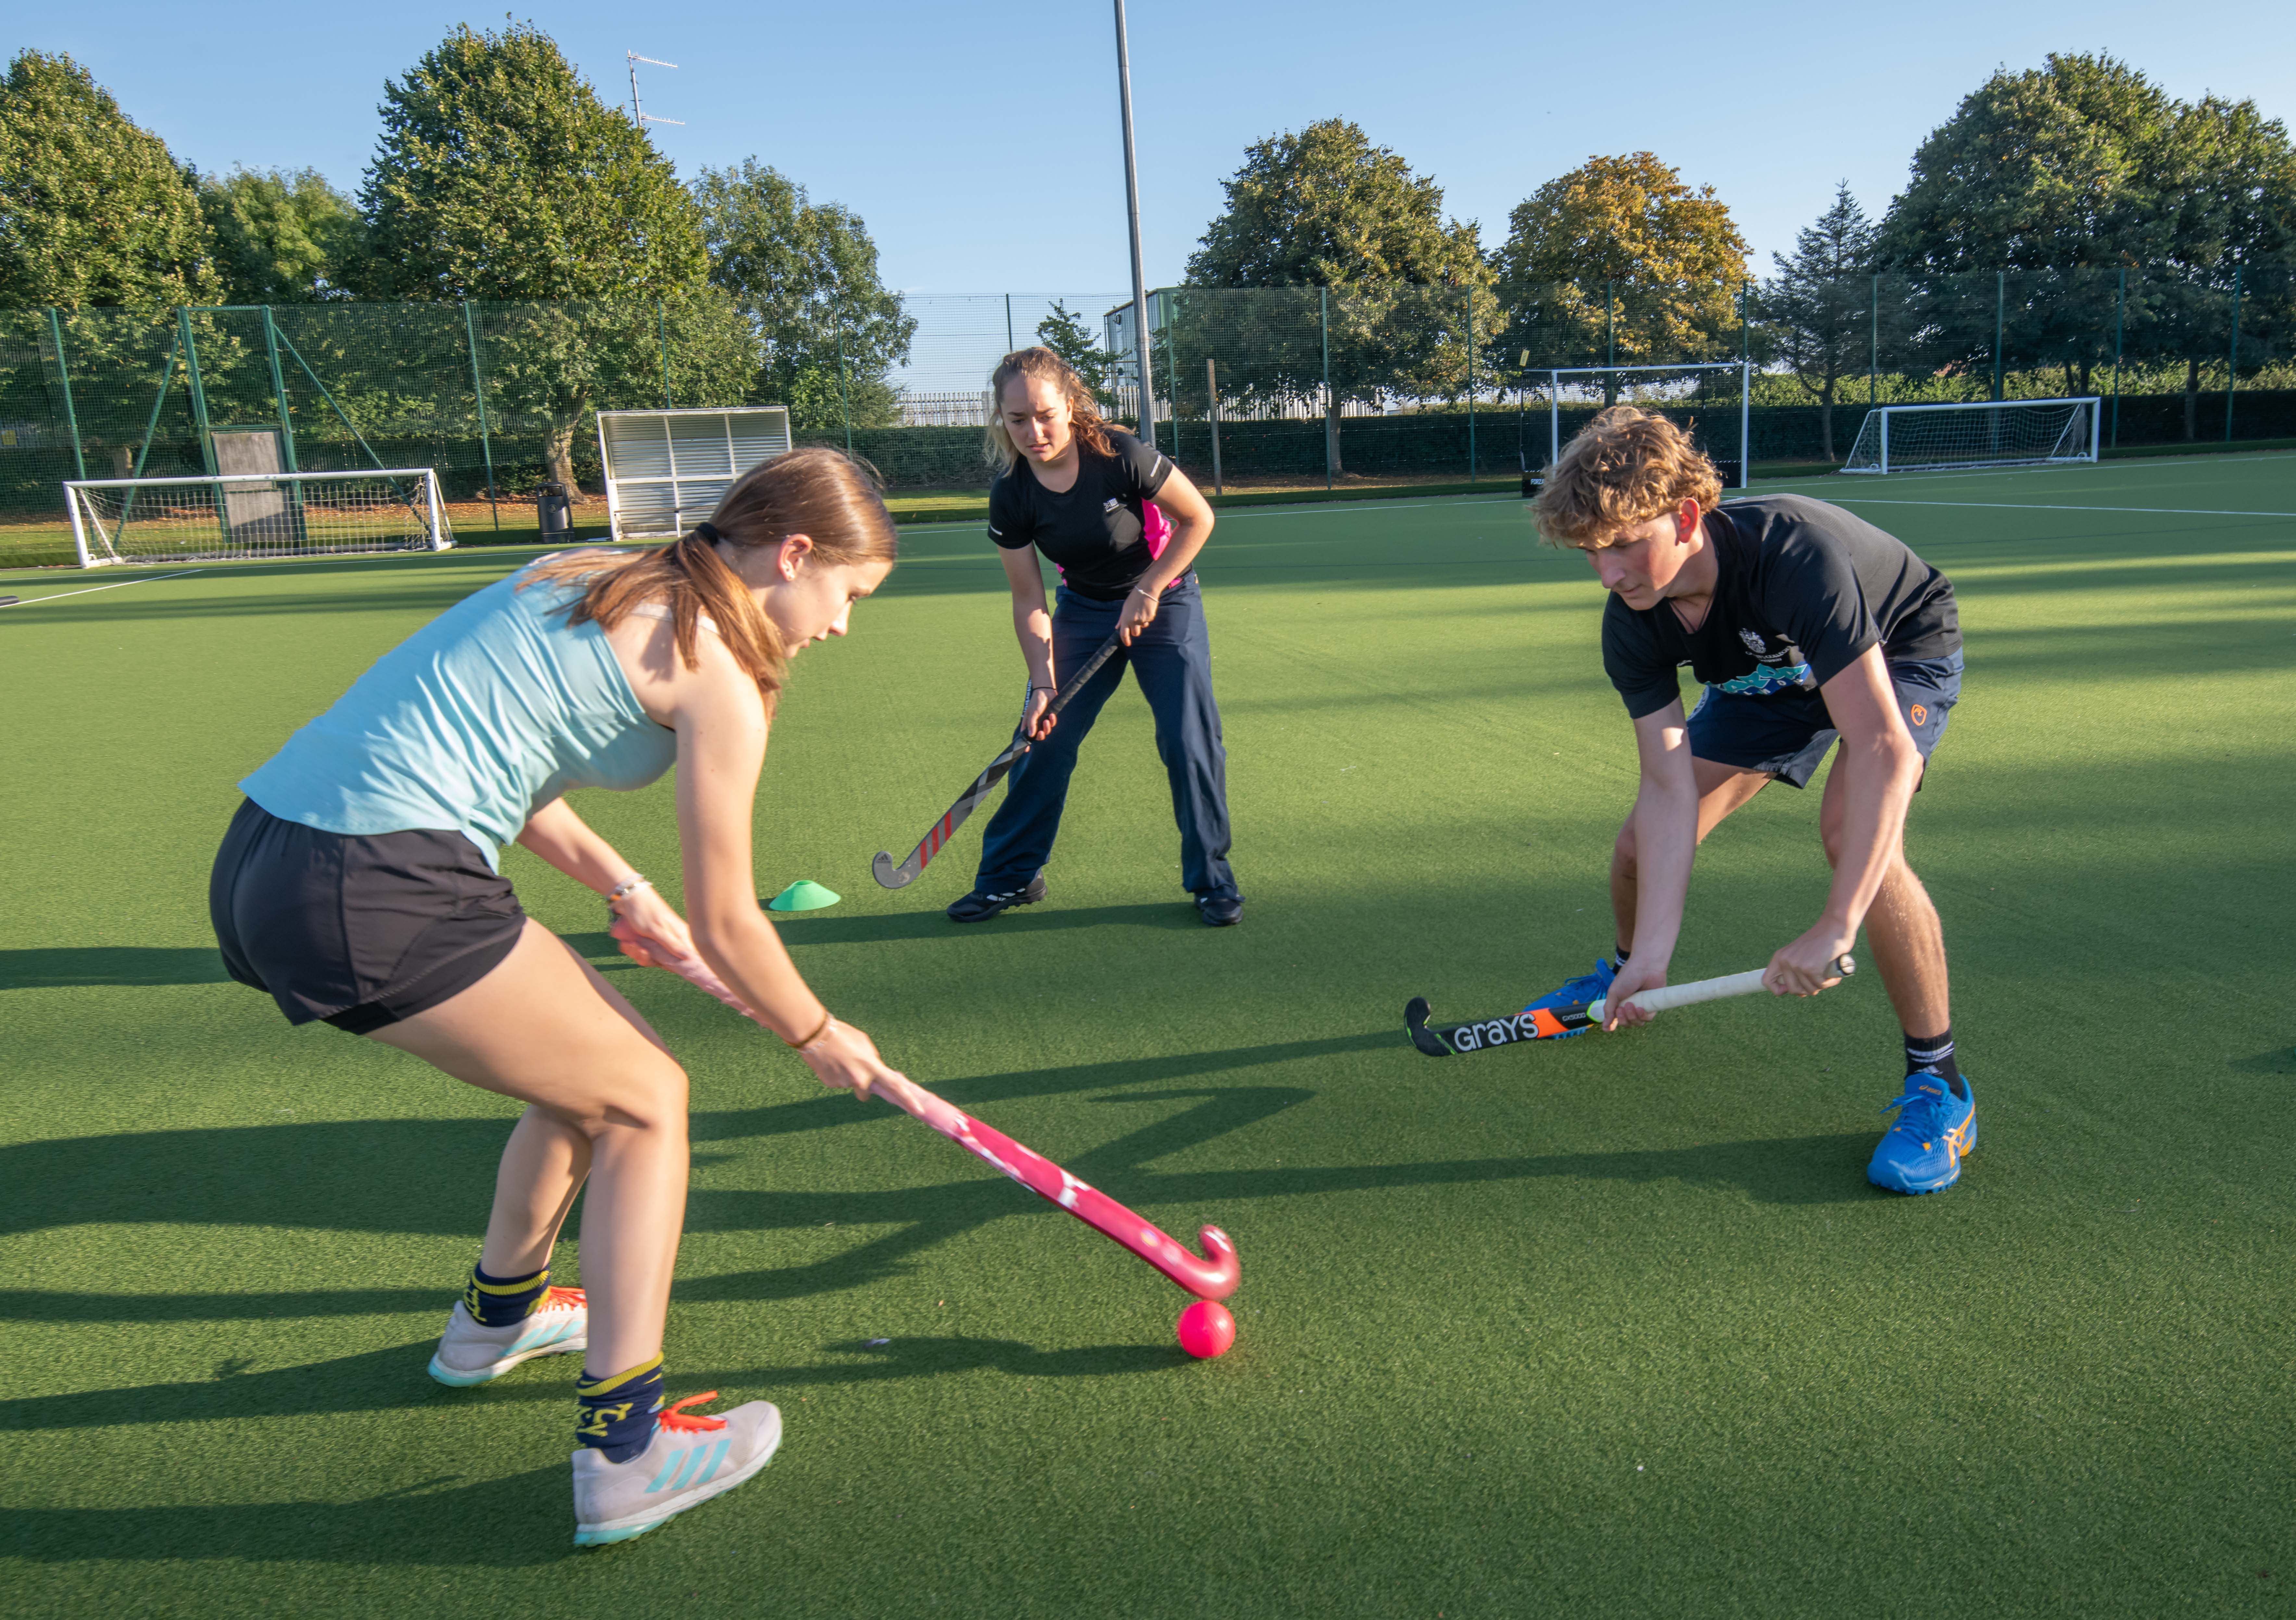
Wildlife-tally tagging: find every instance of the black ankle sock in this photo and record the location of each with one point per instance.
(1934, 1054)
(616, 1414)
(1619, 961)
(497, 1301)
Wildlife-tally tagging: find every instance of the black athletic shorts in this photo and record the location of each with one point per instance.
(1786, 736)
(357, 931)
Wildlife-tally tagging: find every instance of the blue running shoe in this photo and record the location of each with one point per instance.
(1923, 1150)
(1578, 991)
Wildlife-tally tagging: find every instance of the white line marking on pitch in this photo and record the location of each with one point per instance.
(1867, 500)
(84, 591)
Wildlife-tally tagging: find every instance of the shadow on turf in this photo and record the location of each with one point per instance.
(518, 1522)
(53, 967)
(392, 1379)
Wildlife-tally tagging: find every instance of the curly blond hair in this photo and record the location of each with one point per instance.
(1625, 467)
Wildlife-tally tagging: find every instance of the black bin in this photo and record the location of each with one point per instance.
(554, 512)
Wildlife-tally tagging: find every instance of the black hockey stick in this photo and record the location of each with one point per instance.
(1548, 1023)
(891, 877)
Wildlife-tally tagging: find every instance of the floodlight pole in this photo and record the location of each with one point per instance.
(1132, 208)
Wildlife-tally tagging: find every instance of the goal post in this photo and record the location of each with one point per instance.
(1661, 388)
(1984, 433)
(234, 516)
(666, 470)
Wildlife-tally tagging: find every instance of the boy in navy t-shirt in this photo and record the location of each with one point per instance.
(1804, 623)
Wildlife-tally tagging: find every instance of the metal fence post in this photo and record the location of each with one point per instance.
(2000, 313)
(2231, 358)
(479, 393)
(1873, 355)
(1330, 405)
(64, 373)
(279, 389)
(2120, 320)
(1471, 383)
(661, 329)
(1609, 335)
(1211, 412)
(1010, 345)
(844, 403)
(198, 389)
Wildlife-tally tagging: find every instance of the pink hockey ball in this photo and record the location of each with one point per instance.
(1206, 1329)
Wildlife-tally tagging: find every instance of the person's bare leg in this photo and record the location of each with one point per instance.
(1903, 934)
(1721, 789)
(544, 1027)
(543, 1167)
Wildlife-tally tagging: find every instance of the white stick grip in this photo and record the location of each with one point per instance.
(1667, 996)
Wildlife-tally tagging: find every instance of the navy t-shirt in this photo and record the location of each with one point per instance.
(1802, 590)
(1096, 532)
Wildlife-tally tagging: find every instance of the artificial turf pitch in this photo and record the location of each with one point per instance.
(1612, 1325)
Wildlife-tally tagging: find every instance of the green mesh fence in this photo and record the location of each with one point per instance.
(1282, 386)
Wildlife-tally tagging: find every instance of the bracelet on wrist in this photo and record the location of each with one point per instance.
(628, 886)
(819, 1029)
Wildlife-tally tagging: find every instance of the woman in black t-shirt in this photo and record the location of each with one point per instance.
(1086, 495)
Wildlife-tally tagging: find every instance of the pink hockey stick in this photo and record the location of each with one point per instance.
(1212, 1279)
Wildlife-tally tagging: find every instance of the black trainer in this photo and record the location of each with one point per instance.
(980, 906)
(1220, 908)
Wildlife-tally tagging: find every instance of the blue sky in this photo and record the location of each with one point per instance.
(981, 143)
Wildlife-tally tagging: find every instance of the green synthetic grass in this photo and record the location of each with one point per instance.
(1612, 1325)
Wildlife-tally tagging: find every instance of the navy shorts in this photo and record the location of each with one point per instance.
(1786, 736)
(357, 931)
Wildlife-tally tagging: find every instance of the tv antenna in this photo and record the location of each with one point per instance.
(636, 111)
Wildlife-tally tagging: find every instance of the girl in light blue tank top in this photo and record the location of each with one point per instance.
(361, 885)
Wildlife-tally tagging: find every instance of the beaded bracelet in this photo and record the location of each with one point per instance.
(819, 1029)
(629, 885)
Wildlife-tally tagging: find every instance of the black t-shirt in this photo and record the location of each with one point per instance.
(1803, 589)
(1095, 533)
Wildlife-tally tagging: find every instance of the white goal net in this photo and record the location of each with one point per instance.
(1991, 434)
(234, 515)
(1708, 399)
(666, 470)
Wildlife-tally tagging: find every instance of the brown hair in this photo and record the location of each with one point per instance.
(1042, 364)
(1625, 467)
(831, 499)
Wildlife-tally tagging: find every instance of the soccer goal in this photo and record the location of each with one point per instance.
(1989, 433)
(666, 470)
(1659, 388)
(227, 516)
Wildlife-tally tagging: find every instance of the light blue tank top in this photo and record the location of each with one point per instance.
(491, 711)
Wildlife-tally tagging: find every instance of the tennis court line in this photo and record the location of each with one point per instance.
(84, 591)
(1867, 500)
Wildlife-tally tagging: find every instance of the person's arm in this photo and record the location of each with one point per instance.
(1032, 625)
(566, 842)
(1191, 517)
(1880, 768)
(1666, 841)
(721, 747)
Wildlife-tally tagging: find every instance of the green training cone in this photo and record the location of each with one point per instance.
(803, 895)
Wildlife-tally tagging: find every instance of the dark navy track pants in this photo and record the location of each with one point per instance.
(1172, 660)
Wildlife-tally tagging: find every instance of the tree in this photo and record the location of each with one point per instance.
(1326, 209)
(282, 238)
(1818, 307)
(1620, 260)
(1064, 332)
(93, 209)
(2045, 169)
(805, 275)
(501, 176)
(2066, 175)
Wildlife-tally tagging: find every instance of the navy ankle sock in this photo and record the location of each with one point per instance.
(497, 1301)
(616, 1414)
(1934, 1055)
